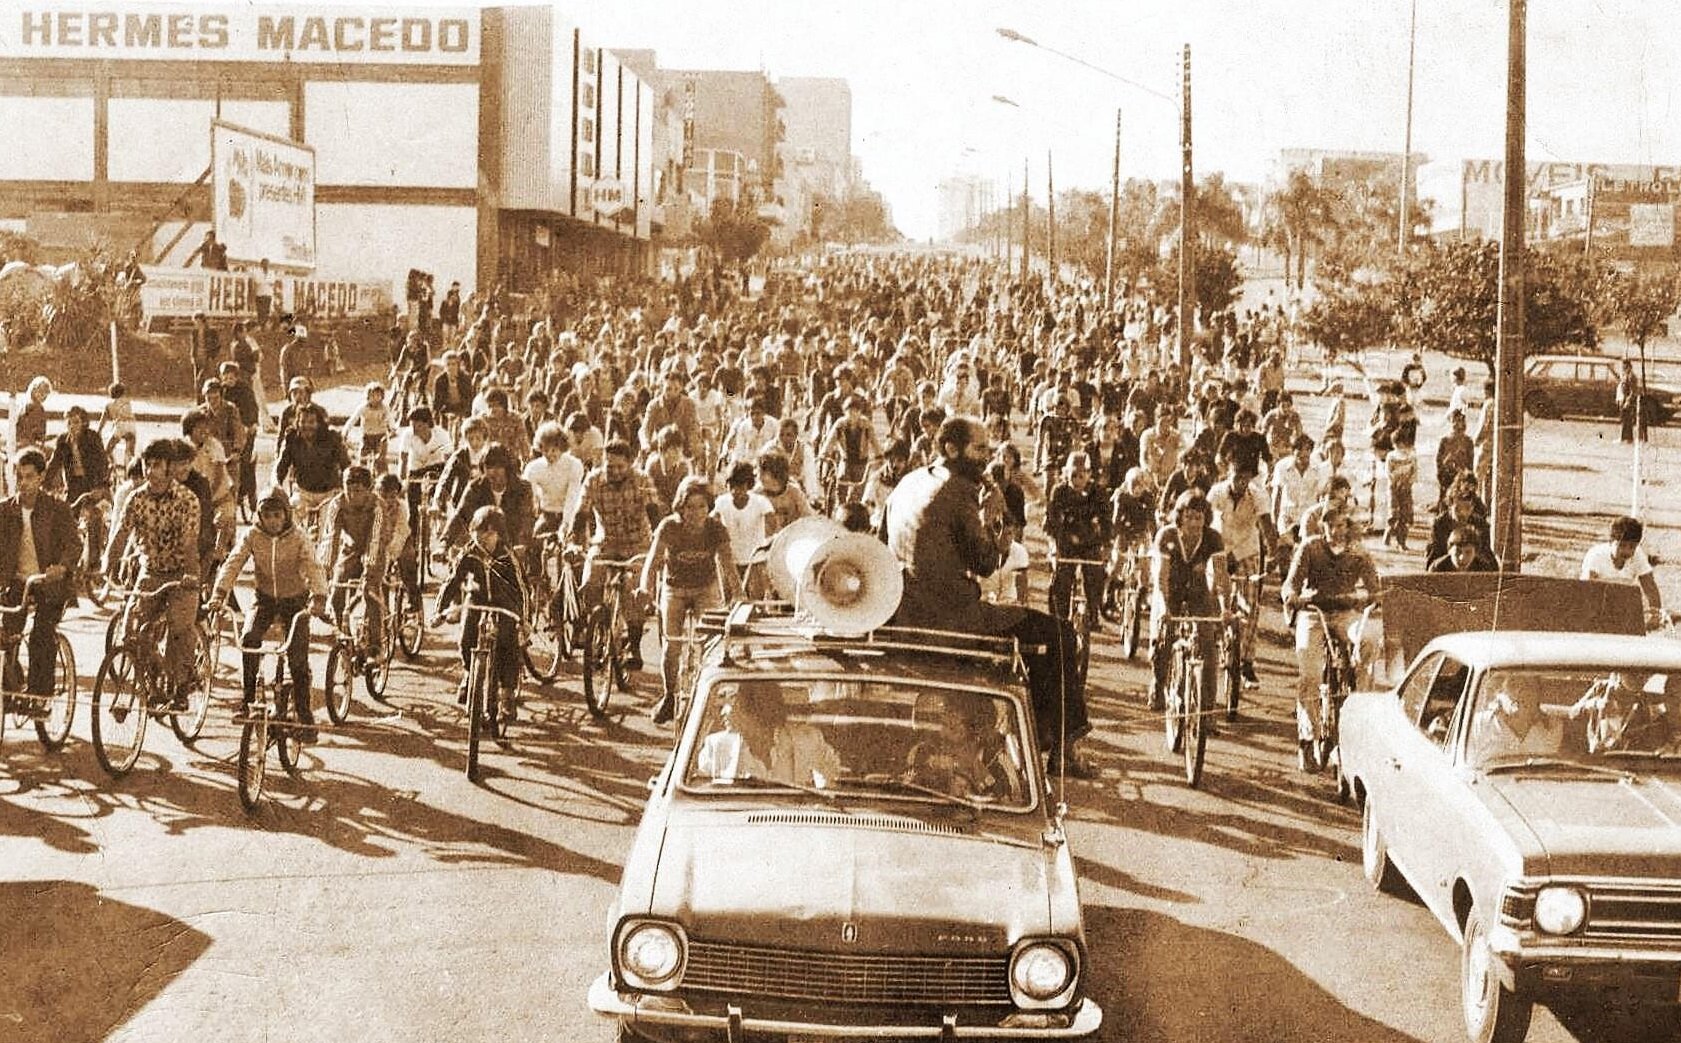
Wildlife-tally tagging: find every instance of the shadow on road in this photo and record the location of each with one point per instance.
(1164, 980)
(78, 965)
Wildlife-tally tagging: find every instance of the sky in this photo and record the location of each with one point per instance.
(1266, 75)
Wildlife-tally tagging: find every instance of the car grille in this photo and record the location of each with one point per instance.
(1631, 913)
(833, 978)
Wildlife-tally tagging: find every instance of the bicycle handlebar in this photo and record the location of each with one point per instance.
(623, 565)
(186, 582)
(29, 586)
(1055, 561)
(497, 609)
(276, 650)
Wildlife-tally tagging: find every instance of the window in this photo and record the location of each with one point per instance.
(1417, 686)
(589, 96)
(586, 164)
(586, 129)
(1443, 699)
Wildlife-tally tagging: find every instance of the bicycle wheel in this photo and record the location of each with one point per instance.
(688, 675)
(1132, 618)
(188, 723)
(477, 696)
(1196, 732)
(54, 729)
(336, 686)
(1325, 737)
(288, 733)
(119, 714)
(1231, 671)
(542, 646)
(1173, 719)
(376, 669)
(598, 660)
(253, 753)
(403, 620)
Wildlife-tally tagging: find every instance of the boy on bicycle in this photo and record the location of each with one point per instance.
(289, 580)
(353, 538)
(498, 581)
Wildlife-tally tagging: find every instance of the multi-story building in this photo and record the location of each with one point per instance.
(480, 145)
(963, 202)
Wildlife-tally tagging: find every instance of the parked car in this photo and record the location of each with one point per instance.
(852, 838)
(1586, 385)
(1524, 784)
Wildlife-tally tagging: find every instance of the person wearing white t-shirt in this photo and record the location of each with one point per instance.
(1242, 518)
(557, 479)
(747, 516)
(1622, 560)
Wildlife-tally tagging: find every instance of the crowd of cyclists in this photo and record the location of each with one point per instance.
(693, 420)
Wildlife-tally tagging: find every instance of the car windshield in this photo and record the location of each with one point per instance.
(1593, 717)
(888, 740)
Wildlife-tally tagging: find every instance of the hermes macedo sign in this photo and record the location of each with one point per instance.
(241, 32)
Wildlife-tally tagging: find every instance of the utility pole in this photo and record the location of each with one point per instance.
(1114, 209)
(1507, 502)
(1050, 217)
(1404, 233)
(1026, 224)
(1187, 218)
(1009, 220)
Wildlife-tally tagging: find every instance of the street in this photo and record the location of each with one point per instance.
(381, 896)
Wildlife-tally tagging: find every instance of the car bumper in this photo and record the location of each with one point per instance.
(1528, 964)
(663, 1012)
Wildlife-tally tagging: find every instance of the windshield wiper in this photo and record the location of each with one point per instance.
(914, 787)
(828, 795)
(1542, 763)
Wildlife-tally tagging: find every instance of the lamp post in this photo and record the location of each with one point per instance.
(1405, 231)
(1509, 325)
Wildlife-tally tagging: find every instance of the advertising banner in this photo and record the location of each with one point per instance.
(263, 196)
(1634, 218)
(183, 292)
(240, 32)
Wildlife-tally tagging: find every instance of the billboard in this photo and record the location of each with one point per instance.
(1634, 218)
(182, 292)
(262, 196)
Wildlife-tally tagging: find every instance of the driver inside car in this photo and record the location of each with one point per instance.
(1513, 723)
(759, 741)
(966, 756)
(1631, 712)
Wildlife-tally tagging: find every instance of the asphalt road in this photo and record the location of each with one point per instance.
(382, 897)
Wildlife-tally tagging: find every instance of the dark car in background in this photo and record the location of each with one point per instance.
(1586, 386)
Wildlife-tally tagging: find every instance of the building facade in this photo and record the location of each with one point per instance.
(480, 145)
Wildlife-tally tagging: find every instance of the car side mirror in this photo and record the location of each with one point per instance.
(1437, 730)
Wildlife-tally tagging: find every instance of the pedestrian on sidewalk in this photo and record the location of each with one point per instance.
(1628, 404)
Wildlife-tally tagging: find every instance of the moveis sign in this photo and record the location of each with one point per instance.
(242, 32)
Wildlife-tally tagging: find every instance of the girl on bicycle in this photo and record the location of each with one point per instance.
(690, 560)
(497, 580)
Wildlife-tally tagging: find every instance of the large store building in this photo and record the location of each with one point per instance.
(481, 145)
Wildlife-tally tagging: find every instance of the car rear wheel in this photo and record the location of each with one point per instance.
(1374, 855)
(1540, 405)
(1493, 1013)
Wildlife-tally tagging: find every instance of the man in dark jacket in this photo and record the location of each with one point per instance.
(38, 540)
(237, 393)
(499, 485)
(935, 528)
(315, 456)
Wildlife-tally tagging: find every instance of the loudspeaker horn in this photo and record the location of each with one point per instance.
(846, 582)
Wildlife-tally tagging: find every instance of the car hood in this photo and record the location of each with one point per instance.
(795, 880)
(1599, 827)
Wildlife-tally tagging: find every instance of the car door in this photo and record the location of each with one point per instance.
(1422, 755)
(1599, 388)
(1378, 757)
(1459, 824)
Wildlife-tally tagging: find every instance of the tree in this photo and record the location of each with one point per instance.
(1350, 317)
(1639, 304)
(1214, 284)
(733, 230)
(1301, 219)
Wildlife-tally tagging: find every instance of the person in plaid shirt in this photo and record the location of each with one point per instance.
(163, 518)
(617, 511)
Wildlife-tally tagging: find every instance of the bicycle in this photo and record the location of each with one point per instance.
(1078, 610)
(1246, 596)
(427, 484)
(484, 714)
(555, 608)
(605, 636)
(51, 714)
(132, 685)
(1129, 585)
(1184, 714)
(1336, 684)
(405, 620)
(349, 657)
(262, 725)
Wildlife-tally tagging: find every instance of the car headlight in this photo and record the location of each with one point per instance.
(1560, 910)
(651, 955)
(1040, 972)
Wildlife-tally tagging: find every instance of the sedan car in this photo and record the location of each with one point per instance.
(1586, 385)
(851, 839)
(1527, 786)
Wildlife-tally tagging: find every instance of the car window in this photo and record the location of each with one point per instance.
(890, 739)
(1596, 373)
(1442, 699)
(1550, 370)
(1417, 686)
